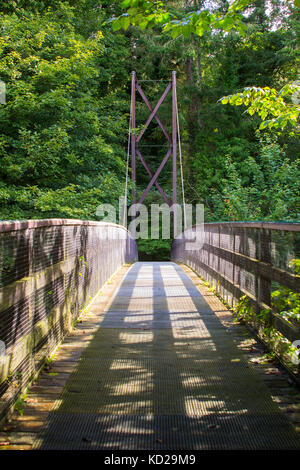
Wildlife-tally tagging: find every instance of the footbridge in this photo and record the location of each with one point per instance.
(102, 351)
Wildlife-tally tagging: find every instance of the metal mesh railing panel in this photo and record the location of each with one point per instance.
(245, 258)
(48, 273)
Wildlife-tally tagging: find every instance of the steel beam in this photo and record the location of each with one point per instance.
(154, 111)
(171, 140)
(151, 175)
(155, 176)
(151, 109)
(133, 138)
(174, 151)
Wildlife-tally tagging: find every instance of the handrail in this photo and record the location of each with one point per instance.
(49, 271)
(12, 225)
(246, 258)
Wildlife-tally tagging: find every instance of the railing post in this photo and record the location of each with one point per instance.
(264, 255)
(233, 267)
(219, 286)
(241, 250)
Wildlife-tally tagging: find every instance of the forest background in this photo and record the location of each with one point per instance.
(64, 128)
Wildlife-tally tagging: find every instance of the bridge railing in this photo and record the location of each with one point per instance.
(49, 271)
(249, 259)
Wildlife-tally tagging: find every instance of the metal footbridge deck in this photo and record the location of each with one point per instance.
(162, 372)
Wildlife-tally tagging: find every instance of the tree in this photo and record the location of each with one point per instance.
(149, 13)
(63, 128)
(197, 20)
(268, 103)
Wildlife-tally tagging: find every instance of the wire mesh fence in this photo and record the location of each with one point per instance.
(49, 271)
(250, 259)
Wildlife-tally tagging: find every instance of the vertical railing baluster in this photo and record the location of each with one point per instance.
(264, 255)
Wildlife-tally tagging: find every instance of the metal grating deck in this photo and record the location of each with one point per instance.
(162, 372)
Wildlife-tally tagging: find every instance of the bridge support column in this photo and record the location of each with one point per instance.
(174, 151)
(172, 141)
(133, 138)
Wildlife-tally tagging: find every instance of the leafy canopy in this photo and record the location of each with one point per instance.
(268, 103)
(62, 127)
(147, 14)
(150, 13)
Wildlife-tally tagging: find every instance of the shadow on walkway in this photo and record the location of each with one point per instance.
(162, 372)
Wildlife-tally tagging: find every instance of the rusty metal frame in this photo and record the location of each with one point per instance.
(172, 140)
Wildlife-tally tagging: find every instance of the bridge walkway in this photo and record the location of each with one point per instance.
(163, 372)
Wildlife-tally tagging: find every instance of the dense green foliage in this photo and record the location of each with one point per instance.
(286, 304)
(63, 129)
(236, 171)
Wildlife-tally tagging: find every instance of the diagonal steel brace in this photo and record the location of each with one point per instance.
(154, 111)
(151, 109)
(155, 176)
(151, 175)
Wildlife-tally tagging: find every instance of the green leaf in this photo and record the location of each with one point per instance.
(176, 32)
(200, 30)
(264, 124)
(125, 22)
(143, 25)
(116, 25)
(187, 30)
(126, 3)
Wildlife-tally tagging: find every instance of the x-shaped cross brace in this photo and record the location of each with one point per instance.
(152, 115)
